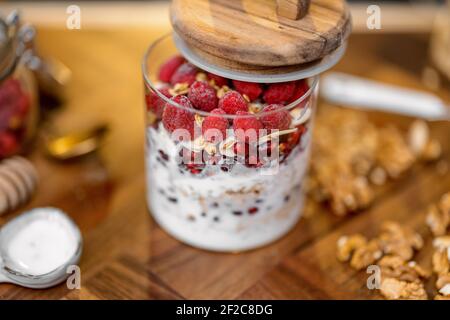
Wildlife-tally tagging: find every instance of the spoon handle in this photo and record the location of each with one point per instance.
(366, 94)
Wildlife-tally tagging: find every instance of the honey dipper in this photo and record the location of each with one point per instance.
(18, 181)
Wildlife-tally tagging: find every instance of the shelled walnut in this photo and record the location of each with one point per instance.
(392, 251)
(395, 289)
(396, 267)
(347, 245)
(401, 277)
(351, 157)
(399, 241)
(438, 217)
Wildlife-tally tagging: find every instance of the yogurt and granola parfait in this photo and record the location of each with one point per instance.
(225, 158)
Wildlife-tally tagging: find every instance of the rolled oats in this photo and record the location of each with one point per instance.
(221, 91)
(179, 88)
(201, 76)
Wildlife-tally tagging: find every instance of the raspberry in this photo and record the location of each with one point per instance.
(280, 120)
(246, 129)
(155, 103)
(215, 122)
(279, 92)
(203, 96)
(252, 90)
(186, 73)
(218, 80)
(301, 87)
(233, 102)
(8, 144)
(169, 67)
(176, 118)
(14, 103)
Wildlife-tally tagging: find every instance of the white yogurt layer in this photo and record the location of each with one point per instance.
(225, 211)
(41, 247)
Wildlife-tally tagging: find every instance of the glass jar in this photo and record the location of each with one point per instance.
(18, 89)
(218, 178)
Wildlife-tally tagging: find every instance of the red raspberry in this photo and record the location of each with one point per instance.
(8, 144)
(203, 96)
(279, 92)
(280, 120)
(250, 89)
(186, 73)
(215, 122)
(301, 87)
(176, 118)
(233, 102)
(169, 67)
(246, 129)
(218, 80)
(155, 103)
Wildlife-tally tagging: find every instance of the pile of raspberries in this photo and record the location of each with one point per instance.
(202, 95)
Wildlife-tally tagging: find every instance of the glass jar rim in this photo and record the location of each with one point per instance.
(152, 86)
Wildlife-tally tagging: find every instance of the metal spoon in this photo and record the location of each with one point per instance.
(364, 94)
(76, 144)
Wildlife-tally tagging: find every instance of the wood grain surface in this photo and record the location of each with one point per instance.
(293, 9)
(127, 256)
(251, 32)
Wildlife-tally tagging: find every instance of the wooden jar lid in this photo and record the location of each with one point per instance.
(251, 33)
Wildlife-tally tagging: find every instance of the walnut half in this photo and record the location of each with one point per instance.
(394, 289)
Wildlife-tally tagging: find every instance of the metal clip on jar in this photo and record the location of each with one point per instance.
(239, 66)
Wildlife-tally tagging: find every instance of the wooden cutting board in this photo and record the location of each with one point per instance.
(251, 32)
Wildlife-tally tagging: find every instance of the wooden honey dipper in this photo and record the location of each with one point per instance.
(18, 181)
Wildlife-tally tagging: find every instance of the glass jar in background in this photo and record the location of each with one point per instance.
(225, 159)
(18, 90)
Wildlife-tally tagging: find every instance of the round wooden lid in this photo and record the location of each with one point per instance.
(254, 33)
